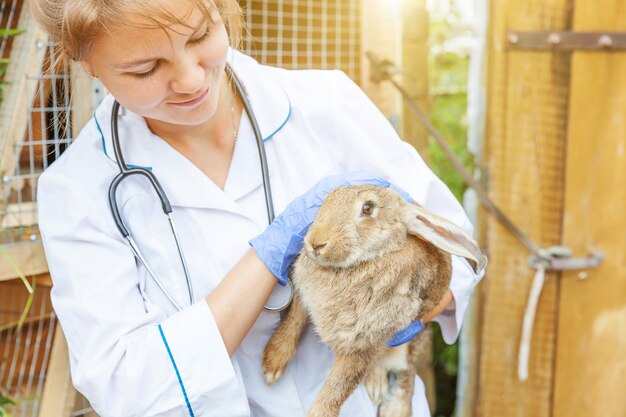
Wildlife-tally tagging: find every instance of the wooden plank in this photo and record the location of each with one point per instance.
(59, 396)
(25, 62)
(28, 256)
(385, 41)
(591, 366)
(415, 70)
(17, 215)
(525, 135)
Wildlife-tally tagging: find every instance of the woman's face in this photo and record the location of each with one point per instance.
(172, 76)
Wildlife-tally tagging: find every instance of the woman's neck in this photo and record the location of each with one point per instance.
(218, 132)
(209, 146)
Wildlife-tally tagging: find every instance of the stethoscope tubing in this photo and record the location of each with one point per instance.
(126, 172)
(241, 91)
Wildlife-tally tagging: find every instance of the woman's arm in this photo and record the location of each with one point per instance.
(443, 304)
(238, 300)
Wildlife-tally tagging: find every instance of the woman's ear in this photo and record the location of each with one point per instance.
(444, 234)
(88, 69)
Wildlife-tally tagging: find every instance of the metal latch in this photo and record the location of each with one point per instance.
(558, 258)
(566, 40)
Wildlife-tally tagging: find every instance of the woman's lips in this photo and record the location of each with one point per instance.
(193, 101)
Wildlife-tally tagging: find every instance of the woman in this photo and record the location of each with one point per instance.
(132, 352)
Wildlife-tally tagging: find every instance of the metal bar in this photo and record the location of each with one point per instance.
(458, 165)
(565, 264)
(566, 41)
(82, 412)
(384, 70)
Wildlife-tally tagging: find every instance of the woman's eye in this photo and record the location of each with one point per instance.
(367, 209)
(200, 39)
(146, 74)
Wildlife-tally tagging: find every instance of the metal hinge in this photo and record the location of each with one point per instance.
(566, 40)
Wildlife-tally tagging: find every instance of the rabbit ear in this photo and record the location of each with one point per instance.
(445, 235)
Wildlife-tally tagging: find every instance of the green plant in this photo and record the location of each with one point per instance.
(4, 62)
(3, 402)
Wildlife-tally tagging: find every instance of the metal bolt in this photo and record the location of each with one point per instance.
(605, 41)
(33, 238)
(583, 275)
(41, 44)
(513, 39)
(554, 39)
(6, 179)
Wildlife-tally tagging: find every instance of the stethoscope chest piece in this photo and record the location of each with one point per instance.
(281, 297)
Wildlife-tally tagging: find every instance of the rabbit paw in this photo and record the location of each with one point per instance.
(377, 383)
(274, 363)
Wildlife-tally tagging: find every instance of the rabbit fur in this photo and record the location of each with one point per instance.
(367, 270)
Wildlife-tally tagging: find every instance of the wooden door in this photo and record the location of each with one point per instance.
(590, 365)
(556, 164)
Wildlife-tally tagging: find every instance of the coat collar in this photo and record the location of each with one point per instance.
(184, 184)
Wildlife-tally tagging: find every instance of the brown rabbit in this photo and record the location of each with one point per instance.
(371, 264)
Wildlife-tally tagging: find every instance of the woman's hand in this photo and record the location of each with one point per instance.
(409, 332)
(443, 304)
(279, 244)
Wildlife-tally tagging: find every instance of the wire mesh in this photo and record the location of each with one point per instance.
(47, 134)
(296, 34)
(25, 350)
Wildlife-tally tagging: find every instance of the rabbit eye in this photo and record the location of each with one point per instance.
(367, 209)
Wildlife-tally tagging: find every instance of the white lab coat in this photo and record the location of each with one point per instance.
(315, 123)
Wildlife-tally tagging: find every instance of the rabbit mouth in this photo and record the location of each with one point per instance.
(332, 256)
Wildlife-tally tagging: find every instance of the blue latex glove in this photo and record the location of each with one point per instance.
(279, 244)
(406, 334)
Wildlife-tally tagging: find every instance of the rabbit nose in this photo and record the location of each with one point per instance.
(317, 247)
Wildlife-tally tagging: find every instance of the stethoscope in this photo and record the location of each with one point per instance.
(278, 301)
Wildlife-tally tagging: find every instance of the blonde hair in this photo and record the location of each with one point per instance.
(73, 24)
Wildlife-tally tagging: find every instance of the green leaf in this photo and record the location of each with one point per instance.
(4, 413)
(11, 32)
(5, 400)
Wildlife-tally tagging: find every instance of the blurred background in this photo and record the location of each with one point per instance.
(530, 96)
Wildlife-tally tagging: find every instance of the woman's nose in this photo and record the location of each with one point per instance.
(188, 75)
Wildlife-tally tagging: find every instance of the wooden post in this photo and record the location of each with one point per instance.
(525, 153)
(59, 396)
(590, 360)
(415, 70)
(384, 41)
